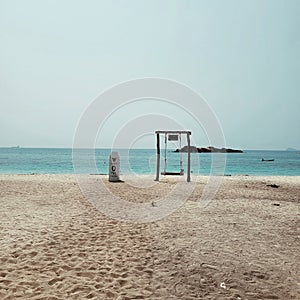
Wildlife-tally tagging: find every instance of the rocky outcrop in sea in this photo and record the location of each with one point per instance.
(209, 149)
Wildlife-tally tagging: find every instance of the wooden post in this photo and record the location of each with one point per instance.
(157, 157)
(188, 178)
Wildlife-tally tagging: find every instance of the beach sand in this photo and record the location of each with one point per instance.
(55, 245)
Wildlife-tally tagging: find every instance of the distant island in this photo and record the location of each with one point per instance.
(208, 150)
(291, 149)
(11, 147)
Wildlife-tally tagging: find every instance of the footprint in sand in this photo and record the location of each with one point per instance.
(55, 280)
(6, 282)
(122, 282)
(89, 275)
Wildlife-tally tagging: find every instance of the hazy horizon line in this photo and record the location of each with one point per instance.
(140, 148)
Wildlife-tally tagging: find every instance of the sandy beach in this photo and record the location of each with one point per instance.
(55, 245)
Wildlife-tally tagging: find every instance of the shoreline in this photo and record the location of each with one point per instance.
(145, 175)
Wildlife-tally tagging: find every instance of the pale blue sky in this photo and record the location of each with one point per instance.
(242, 56)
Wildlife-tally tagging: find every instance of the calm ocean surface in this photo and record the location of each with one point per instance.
(143, 161)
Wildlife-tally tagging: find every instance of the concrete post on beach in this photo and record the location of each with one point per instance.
(157, 157)
(188, 179)
(114, 167)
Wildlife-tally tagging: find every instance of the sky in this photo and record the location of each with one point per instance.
(242, 57)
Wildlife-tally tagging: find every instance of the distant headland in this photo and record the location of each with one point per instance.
(11, 147)
(209, 149)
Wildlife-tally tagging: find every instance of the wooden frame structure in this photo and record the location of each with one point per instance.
(166, 132)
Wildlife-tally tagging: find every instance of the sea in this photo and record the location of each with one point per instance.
(17, 160)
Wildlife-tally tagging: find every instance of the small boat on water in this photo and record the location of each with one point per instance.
(267, 159)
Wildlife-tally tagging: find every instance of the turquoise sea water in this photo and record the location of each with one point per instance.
(143, 161)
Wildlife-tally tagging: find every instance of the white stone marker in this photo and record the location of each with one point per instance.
(114, 167)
